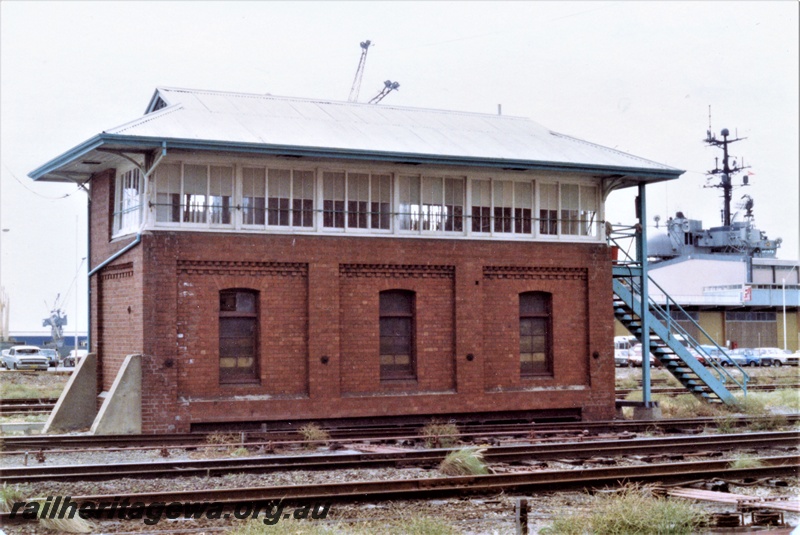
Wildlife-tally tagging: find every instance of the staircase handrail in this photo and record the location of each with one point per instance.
(615, 233)
(721, 371)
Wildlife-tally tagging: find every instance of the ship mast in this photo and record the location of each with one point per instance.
(727, 172)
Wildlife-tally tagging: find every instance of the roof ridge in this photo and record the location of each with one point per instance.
(346, 103)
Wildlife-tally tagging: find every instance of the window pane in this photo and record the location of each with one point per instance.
(238, 336)
(303, 199)
(534, 333)
(221, 193)
(481, 205)
(523, 207)
(254, 193)
(548, 209)
(333, 185)
(409, 216)
(432, 203)
(195, 190)
(589, 223)
(454, 204)
(128, 203)
(569, 209)
(168, 193)
(357, 199)
(396, 334)
(381, 202)
(279, 189)
(533, 304)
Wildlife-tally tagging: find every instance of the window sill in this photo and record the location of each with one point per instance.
(536, 376)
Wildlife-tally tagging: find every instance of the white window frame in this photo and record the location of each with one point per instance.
(128, 201)
(421, 181)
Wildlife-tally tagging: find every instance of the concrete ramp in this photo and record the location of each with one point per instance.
(76, 406)
(121, 412)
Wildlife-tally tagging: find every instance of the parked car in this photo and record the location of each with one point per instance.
(635, 357)
(794, 358)
(714, 353)
(52, 356)
(622, 357)
(24, 358)
(75, 357)
(745, 356)
(778, 356)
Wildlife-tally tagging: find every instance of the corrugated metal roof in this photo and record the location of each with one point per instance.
(248, 118)
(219, 120)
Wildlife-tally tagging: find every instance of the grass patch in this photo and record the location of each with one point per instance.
(314, 435)
(283, 527)
(438, 434)
(746, 461)
(22, 387)
(464, 462)
(632, 509)
(23, 418)
(411, 526)
(10, 495)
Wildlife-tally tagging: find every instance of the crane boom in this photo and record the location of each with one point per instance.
(388, 87)
(356, 87)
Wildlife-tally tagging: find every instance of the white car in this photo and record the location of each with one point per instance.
(779, 356)
(25, 358)
(75, 357)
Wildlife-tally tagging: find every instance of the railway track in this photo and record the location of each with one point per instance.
(397, 433)
(652, 448)
(665, 473)
(675, 391)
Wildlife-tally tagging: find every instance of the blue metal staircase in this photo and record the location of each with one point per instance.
(670, 343)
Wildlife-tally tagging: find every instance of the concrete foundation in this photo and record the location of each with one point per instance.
(651, 412)
(121, 412)
(76, 407)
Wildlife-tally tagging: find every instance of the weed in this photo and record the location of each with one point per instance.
(632, 509)
(9, 496)
(239, 452)
(745, 461)
(438, 434)
(284, 527)
(422, 526)
(314, 435)
(222, 439)
(464, 462)
(726, 423)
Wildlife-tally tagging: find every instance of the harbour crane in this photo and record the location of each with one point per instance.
(356, 87)
(388, 87)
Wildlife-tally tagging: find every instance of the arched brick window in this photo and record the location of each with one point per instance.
(397, 335)
(535, 334)
(238, 336)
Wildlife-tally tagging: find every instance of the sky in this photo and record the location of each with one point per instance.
(636, 76)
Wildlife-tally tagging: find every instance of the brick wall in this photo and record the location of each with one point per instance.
(319, 298)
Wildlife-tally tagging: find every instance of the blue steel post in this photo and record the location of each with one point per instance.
(641, 250)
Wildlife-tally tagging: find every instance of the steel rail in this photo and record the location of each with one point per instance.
(682, 390)
(21, 444)
(697, 445)
(545, 480)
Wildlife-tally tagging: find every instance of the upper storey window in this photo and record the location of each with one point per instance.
(194, 194)
(128, 192)
(357, 200)
(277, 197)
(431, 203)
(578, 206)
(268, 198)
